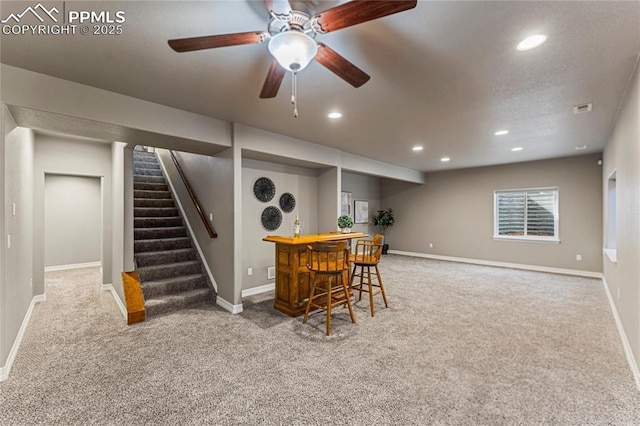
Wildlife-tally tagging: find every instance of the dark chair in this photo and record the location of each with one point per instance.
(367, 256)
(329, 266)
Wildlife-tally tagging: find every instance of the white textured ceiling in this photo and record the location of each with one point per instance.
(445, 75)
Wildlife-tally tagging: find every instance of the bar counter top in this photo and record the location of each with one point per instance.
(314, 238)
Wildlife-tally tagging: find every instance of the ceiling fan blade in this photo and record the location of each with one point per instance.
(273, 81)
(358, 11)
(222, 40)
(278, 8)
(340, 66)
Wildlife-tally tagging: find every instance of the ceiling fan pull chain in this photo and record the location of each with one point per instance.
(293, 88)
(294, 93)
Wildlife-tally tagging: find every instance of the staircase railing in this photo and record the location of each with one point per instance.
(212, 233)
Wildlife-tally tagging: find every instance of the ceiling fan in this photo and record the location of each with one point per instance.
(291, 37)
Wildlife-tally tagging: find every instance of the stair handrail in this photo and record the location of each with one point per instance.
(212, 233)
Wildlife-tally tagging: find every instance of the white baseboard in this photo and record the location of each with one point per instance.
(73, 266)
(576, 272)
(227, 306)
(623, 336)
(6, 369)
(258, 290)
(109, 287)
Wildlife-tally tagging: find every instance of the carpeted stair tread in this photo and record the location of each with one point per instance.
(155, 288)
(160, 233)
(157, 222)
(155, 272)
(151, 186)
(144, 159)
(148, 165)
(156, 244)
(152, 258)
(148, 179)
(185, 300)
(145, 164)
(143, 171)
(153, 202)
(141, 193)
(155, 212)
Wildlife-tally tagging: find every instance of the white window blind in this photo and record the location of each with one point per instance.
(527, 214)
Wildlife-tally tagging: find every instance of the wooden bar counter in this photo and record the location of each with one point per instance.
(292, 275)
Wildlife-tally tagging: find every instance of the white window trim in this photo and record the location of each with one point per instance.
(555, 239)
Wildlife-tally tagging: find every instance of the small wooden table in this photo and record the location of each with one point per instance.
(292, 276)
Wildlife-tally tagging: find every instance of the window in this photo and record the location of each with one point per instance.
(527, 214)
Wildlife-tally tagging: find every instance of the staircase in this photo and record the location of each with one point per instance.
(171, 272)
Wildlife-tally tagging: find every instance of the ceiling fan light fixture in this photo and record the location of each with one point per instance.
(293, 50)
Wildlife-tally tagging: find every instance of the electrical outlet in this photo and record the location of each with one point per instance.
(249, 271)
(13, 208)
(271, 272)
(8, 241)
(210, 217)
(578, 257)
(430, 245)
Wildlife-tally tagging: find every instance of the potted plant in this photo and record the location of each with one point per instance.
(383, 220)
(345, 222)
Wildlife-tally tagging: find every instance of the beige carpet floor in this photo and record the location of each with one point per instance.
(459, 345)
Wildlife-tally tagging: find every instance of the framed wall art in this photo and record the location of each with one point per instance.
(361, 211)
(264, 189)
(345, 203)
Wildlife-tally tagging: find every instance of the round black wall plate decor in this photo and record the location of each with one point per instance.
(287, 202)
(264, 189)
(271, 218)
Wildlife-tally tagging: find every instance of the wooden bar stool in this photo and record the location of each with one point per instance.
(367, 256)
(329, 266)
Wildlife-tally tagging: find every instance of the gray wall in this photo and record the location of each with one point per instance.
(16, 283)
(367, 188)
(328, 199)
(454, 211)
(212, 181)
(71, 156)
(623, 155)
(73, 220)
(303, 184)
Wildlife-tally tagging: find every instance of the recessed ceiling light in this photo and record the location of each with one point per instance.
(334, 115)
(581, 148)
(417, 148)
(445, 159)
(532, 42)
(517, 148)
(501, 132)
